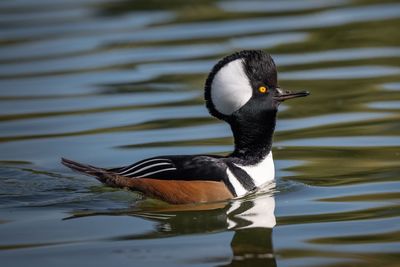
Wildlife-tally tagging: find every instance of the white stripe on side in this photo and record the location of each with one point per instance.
(148, 167)
(142, 163)
(151, 173)
(237, 186)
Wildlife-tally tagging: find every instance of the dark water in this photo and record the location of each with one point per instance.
(112, 82)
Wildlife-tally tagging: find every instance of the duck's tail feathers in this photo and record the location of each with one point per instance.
(101, 174)
(84, 168)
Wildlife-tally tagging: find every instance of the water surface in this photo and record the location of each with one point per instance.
(112, 82)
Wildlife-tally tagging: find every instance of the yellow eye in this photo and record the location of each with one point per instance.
(263, 89)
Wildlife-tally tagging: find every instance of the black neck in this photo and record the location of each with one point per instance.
(253, 136)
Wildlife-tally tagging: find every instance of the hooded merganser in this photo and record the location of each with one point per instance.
(242, 90)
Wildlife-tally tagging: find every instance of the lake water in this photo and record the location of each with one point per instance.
(112, 82)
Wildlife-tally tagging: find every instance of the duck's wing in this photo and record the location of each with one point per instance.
(148, 168)
(187, 167)
(172, 179)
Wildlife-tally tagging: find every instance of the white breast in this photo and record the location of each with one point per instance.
(261, 173)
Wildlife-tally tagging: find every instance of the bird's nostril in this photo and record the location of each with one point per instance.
(278, 91)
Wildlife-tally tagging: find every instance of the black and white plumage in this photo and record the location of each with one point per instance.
(242, 90)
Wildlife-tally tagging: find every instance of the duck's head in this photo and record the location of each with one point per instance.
(244, 85)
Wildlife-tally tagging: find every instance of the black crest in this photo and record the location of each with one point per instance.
(258, 66)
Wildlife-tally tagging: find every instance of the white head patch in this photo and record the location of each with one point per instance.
(230, 88)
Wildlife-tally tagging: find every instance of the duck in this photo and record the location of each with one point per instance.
(242, 90)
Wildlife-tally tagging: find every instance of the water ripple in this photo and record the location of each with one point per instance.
(349, 141)
(280, 6)
(342, 73)
(330, 18)
(129, 22)
(104, 59)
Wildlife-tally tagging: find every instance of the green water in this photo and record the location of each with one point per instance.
(112, 82)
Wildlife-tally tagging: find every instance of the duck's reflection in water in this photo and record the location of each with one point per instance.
(251, 218)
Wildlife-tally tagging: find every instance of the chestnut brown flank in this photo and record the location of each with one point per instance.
(182, 192)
